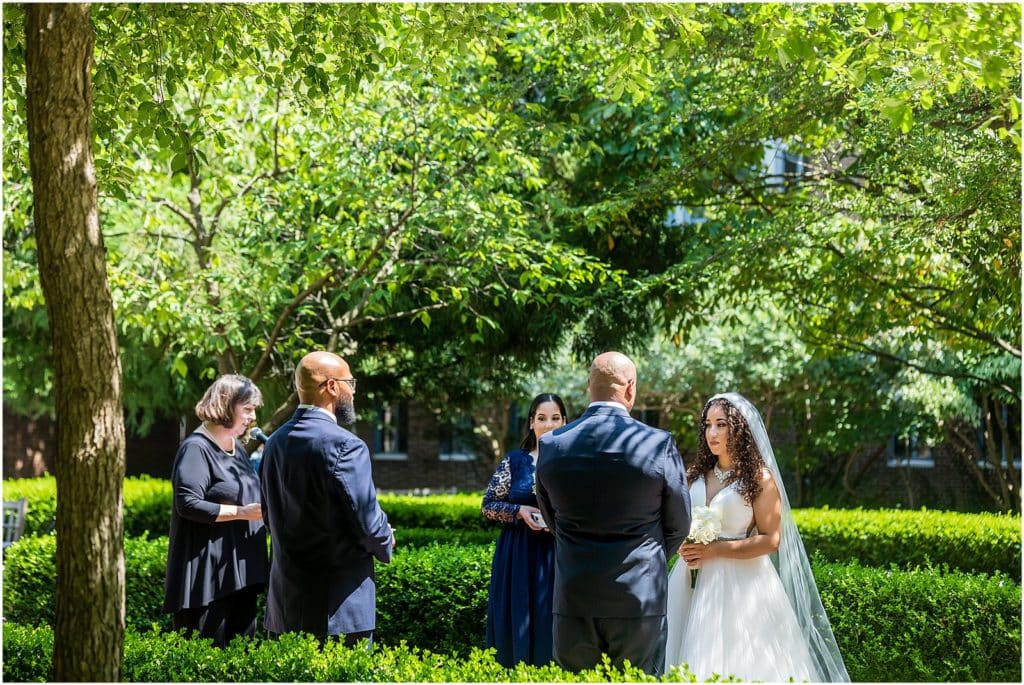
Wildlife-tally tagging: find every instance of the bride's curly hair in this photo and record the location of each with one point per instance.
(747, 461)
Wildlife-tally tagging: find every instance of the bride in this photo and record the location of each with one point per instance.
(744, 617)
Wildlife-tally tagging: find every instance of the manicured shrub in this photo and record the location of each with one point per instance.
(460, 512)
(147, 504)
(435, 597)
(891, 624)
(28, 653)
(982, 543)
(30, 581)
(970, 542)
(923, 625)
(424, 537)
(169, 657)
(41, 494)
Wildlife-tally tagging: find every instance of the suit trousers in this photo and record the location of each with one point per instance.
(224, 618)
(579, 642)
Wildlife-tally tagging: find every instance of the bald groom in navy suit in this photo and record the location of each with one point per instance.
(319, 502)
(613, 490)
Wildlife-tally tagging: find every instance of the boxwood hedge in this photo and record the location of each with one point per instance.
(892, 624)
(169, 657)
(970, 542)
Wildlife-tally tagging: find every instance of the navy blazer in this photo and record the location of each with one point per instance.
(325, 526)
(614, 492)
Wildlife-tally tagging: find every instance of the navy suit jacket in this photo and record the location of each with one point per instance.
(613, 490)
(325, 525)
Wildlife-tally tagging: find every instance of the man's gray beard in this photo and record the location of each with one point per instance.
(345, 412)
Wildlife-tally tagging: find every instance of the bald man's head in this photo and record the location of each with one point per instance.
(613, 377)
(313, 370)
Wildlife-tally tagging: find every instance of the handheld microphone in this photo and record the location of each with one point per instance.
(258, 435)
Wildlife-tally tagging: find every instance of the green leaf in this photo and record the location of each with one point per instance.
(179, 367)
(179, 163)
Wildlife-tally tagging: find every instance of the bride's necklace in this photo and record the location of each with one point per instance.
(722, 475)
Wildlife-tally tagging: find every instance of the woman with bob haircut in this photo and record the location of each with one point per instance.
(217, 548)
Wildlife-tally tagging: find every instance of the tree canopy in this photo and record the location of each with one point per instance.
(464, 187)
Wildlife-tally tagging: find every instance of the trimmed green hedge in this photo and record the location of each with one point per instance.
(169, 657)
(424, 537)
(147, 504)
(30, 581)
(923, 625)
(461, 512)
(920, 625)
(983, 543)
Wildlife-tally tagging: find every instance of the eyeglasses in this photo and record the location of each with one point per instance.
(351, 382)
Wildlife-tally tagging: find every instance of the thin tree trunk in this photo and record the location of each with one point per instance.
(89, 630)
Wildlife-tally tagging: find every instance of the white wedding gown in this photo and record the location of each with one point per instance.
(737, 620)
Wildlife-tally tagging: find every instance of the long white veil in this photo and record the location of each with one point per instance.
(794, 568)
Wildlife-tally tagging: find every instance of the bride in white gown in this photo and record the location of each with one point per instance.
(744, 617)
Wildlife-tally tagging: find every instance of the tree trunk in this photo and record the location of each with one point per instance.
(89, 630)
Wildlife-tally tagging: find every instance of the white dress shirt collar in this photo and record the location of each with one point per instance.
(608, 403)
(313, 406)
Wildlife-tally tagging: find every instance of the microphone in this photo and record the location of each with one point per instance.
(259, 436)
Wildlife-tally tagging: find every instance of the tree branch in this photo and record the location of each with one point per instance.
(164, 202)
(398, 315)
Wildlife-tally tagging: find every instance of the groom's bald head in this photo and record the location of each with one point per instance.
(613, 378)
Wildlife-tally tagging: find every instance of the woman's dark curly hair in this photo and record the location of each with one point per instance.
(747, 461)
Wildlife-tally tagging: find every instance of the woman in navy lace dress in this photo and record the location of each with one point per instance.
(523, 571)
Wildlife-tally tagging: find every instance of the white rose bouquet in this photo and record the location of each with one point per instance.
(705, 527)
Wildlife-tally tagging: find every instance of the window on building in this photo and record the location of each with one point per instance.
(1006, 446)
(781, 167)
(457, 440)
(684, 216)
(909, 452)
(391, 432)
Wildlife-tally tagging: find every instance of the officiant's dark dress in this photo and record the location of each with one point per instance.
(523, 571)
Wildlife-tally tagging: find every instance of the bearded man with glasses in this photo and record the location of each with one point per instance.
(320, 505)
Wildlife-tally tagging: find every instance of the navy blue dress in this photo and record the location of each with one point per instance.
(523, 571)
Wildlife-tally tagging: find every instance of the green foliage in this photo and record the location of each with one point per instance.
(28, 653)
(984, 543)
(147, 504)
(306, 176)
(446, 186)
(449, 584)
(30, 579)
(170, 657)
(453, 512)
(424, 537)
(973, 543)
(922, 624)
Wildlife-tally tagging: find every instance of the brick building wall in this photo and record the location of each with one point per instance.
(29, 446)
(28, 451)
(423, 468)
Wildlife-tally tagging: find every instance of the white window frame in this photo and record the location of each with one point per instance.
(386, 407)
(914, 461)
(460, 455)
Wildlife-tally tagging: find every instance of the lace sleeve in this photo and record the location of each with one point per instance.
(496, 506)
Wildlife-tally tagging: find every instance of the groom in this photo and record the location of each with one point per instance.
(613, 490)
